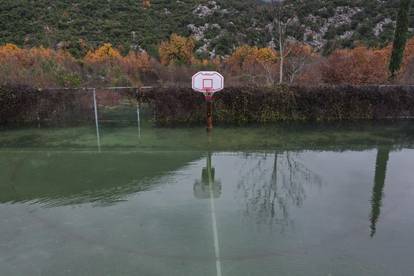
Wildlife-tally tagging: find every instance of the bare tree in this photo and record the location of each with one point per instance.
(285, 31)
(300, 56)
(281, 20)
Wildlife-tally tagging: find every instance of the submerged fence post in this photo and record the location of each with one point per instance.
(98, 136)
(38, 109)
(138, 115)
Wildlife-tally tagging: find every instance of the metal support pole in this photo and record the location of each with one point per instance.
(98, 136)
(209, 115)
(209, 110)
(38, 110)
(138, 117)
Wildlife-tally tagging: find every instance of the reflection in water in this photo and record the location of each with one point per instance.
(379, 183)
(272, 216)
(207, 186)
(65, 178)
(268, 199)
(269, 185)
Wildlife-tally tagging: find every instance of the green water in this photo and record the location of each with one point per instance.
(274, 200)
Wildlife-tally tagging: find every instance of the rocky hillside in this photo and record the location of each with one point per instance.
(217, 25)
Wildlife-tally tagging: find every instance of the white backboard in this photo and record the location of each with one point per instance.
(208, 82)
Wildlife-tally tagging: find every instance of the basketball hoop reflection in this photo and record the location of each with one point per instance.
(207, 187)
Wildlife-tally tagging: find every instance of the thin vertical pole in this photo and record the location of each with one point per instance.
(209, 110)
(209, 104)
(98, 136)
(138, 117)
(38, 109)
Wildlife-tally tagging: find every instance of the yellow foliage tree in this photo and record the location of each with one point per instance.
(146, 4)
(178, 50)
(254, 61)
(8, 49)
(10, 53)
(266, 55)
(103, 54)
(134, 64)
(246, 56)
(38, 66)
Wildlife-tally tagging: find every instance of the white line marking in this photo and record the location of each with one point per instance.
(214, 223)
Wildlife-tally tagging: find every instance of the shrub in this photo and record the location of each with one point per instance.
(242, 105)
(20, 104)
(16, 103)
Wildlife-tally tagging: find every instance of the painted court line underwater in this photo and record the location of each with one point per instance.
(214, 223)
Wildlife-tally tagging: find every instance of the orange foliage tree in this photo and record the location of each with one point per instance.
(134, 65)
(146, 4)
(104, 53)
(9, 50)
(39, 67)
(252, 62)
(178, 50)
(357, 66)
(104, 65)
(43, 67)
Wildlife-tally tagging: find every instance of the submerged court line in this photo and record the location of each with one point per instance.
(214, 221)
(215, 232)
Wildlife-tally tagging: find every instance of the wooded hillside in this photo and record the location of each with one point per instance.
(218, 26)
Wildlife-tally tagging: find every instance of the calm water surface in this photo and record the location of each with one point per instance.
(325, 200)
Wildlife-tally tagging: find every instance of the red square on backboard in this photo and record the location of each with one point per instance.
(207, 83)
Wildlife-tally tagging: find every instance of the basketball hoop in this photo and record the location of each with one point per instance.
(208, 83)
(208, 94)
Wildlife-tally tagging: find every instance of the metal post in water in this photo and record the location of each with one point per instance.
(209, 110)
(138, 118)
(209, 115)
(38, 110)
(98, 136)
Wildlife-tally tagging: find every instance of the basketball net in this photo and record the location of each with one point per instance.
(208, 94)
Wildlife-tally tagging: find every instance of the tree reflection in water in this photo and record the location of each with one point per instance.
(269, 191)
(379, 184)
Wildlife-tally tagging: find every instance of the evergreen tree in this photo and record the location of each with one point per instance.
(400, 38)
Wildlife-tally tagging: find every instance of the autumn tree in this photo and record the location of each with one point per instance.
(40, 67)
(104, 66)
(177, 50)
(300, 55)
(356, 66)
(266, 58)
(255, 62)
(8, 49)
(104, 53)
(135, 65)
(146, 4)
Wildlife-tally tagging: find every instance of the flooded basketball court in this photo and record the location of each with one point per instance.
(326, 200)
